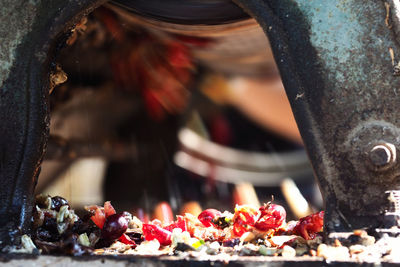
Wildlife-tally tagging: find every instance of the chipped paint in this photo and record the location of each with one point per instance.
(336, 53)
(336, 31)
(12, 31)
(28, 31)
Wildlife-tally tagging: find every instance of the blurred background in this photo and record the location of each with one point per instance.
(177, 106)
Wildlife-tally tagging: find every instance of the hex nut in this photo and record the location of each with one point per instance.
(382, 156)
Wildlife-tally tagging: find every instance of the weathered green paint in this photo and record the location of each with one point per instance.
(28, 32)
(335, 64)
(334, 61)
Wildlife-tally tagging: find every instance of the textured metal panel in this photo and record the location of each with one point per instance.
(27, 31)
(338, 73)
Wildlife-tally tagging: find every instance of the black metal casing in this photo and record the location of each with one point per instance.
(334, 59)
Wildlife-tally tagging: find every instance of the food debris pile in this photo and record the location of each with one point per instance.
(249, 231)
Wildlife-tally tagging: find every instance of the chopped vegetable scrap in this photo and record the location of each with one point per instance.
(309, 226)
(249, 231)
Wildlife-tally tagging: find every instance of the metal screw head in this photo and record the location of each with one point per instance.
(382, 155)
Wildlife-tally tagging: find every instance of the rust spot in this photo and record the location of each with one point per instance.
(387, 19)
(57, 77)
(79, 28)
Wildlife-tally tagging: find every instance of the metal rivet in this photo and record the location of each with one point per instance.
(382, 155)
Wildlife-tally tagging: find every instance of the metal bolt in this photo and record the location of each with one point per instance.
(392, 214)
(393, 197)
(383, 155)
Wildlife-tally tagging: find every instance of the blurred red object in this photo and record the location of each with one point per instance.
(163, 212)
(159, 69)
(192, 207)
(220, 130)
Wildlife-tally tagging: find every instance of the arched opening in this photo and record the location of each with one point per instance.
(27, 132)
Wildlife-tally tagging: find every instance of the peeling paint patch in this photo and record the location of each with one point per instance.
(12, 30)
(336, 35)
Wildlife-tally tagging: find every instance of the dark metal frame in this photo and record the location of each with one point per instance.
(337, 70)
(30, 36)
(335, 63)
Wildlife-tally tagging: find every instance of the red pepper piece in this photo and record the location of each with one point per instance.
(206, 217)
(126, 240)
(244, 218)
(109, 209)
(99, 218)
(152, 232)
(309, 226)
(100, 213)
(179, 223)
(272, 216)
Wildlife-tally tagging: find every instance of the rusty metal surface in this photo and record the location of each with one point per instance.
(338, 73)
(335, 63)
(27, 31)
